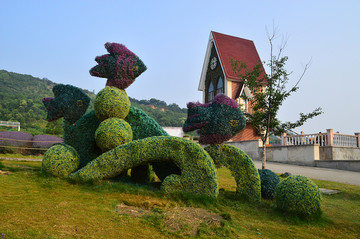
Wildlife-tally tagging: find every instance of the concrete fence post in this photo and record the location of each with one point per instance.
(357, 139)
(283, 139)
(330, 137)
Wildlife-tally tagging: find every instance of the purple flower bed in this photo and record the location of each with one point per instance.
(45, 141)
(15, 138)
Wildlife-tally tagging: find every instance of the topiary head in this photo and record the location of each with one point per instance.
(70, 102)
(298, 195)
(269, 181)
(217, 121)
(120, 67)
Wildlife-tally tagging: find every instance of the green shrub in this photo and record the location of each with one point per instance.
(143, 126)
(241, 166)
(81, 136)
(269, 181)
(111, 102)
(113, 132)
(298, 195)
(198, 174)
(60, 160)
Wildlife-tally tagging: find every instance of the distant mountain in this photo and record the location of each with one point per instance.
(21, 100)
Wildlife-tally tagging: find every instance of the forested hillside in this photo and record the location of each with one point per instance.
(21, 101)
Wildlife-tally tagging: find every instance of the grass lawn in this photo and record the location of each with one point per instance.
(33, 205)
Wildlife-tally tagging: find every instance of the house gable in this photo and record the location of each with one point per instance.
(226, 48)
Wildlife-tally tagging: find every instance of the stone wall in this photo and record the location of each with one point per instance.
(344, 158)
(339, 153)
(294, 154)
(351, 165)
(253, 148)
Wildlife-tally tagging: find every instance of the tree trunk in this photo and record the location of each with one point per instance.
(264, 156)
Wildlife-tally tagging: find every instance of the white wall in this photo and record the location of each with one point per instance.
(174, 131)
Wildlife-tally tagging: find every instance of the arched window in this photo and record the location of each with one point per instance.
(211, 92)
(220, 86)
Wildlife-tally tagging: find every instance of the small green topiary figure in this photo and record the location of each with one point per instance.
(113, 132)
(269, 181)
(111, 102)
(241, 166)
(61, 160)
(298, 195)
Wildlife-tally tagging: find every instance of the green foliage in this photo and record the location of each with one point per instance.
(241, 166)
(20, 100)
(298, 195)
(70, 102)
(61, 160)
(165, 115)
(113, 132)
(217, 121)
(23, 104)
(54, 127)
(268, 93)
(198, 174)
(81, 136)
(269, 181)
(143, 126)
(111, 102)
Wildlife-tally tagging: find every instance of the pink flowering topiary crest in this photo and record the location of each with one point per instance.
(121, 66)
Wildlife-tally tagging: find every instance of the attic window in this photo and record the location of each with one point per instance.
(243, 103)
(211, 92)
(220, 86)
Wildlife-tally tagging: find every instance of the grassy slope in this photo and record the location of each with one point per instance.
(36, 206)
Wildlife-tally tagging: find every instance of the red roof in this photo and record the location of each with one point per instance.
(230, 47)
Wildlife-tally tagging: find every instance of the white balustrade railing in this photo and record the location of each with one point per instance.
(306, 139)
(323, 139)
(345, 140)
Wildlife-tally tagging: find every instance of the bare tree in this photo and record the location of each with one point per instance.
(269, 91)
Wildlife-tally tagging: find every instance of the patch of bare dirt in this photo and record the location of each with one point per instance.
(4, 172)
(132, 211)
(188, 219)
(185, 220)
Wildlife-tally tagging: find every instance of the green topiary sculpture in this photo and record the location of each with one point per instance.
(113, 132)
(217, 121)
(269, 181)
(198, 174)
(60, 160)
(111, 102)
(298, 195)
(241, 166)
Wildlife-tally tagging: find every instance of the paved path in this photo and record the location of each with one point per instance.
(327, 174)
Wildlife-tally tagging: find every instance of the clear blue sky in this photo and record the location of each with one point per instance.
(60, 39)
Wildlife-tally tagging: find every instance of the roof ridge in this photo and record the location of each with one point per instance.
(227, 35)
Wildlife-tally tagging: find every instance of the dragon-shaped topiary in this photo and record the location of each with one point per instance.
(130, 139)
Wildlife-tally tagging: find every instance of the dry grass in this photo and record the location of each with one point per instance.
(36, 206)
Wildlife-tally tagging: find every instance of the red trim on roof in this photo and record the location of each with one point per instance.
(230, 47)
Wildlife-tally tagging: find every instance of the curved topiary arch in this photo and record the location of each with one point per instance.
(198, 174)
(242, 168)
